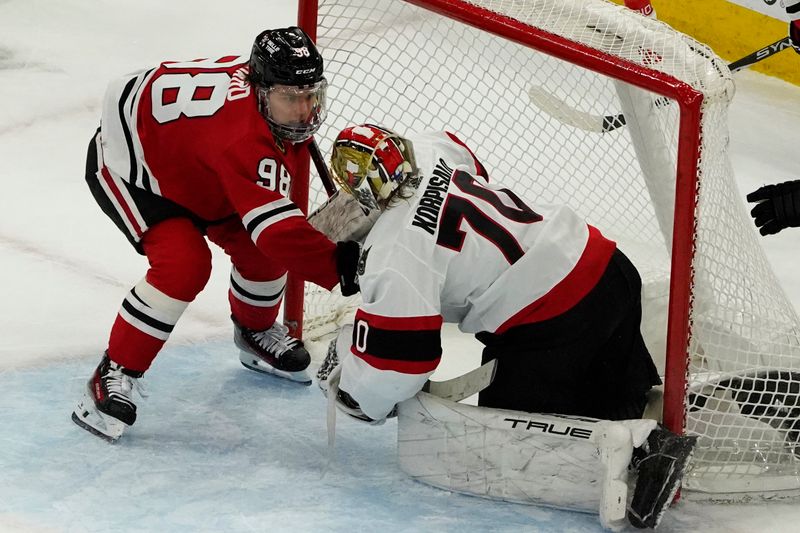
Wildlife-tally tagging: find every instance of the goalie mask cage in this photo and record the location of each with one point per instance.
(525, 84)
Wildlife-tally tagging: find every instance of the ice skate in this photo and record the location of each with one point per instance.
(273, 351)
(661, 463)
(107, 407)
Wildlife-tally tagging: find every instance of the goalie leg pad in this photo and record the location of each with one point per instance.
(558, 461)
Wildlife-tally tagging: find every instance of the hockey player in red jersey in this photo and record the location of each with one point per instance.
(552, 299)
(208, 148)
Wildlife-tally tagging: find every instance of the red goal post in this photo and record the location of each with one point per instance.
(662, 181)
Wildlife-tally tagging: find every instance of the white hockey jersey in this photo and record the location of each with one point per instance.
(463, 251)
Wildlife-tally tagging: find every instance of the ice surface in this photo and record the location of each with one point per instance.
(218, 448)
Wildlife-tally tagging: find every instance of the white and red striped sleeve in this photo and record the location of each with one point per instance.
(280, 230)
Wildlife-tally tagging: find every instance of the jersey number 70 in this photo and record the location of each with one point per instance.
(458, 208)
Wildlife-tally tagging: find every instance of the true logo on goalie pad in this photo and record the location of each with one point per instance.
(546, 427)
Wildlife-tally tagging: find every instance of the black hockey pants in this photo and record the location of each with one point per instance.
(588, 361)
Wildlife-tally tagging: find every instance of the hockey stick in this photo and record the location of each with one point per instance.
(454, 389)
(322, 168)
(563, 112)
(771, 397)
(465, 385)
(759, 55)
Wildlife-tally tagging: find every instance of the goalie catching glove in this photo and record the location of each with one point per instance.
(343, 218)
(345, 221)
(328, 379)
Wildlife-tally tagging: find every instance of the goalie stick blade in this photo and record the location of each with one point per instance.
(465, 385)
(771, 397)
(563, 112)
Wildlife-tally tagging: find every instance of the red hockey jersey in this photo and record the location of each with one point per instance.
(191, 132)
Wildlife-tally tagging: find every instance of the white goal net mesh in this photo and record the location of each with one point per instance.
(535, 121)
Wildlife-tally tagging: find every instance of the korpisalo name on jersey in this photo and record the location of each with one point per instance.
(427, 214)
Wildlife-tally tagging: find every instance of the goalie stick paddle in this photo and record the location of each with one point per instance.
(563, 112)
(322, 168)
(771, 397)
(465, 385)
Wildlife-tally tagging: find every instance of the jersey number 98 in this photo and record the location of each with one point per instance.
(198, 95)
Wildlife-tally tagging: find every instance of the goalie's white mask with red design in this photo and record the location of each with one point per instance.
(371, 158)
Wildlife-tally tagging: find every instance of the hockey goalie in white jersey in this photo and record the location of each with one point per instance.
(553, 300)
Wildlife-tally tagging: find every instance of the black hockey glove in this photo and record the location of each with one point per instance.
(778, 207)
(347, 255)
(794, 35)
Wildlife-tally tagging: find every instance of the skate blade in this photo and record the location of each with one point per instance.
(89, 418)
(301, 376)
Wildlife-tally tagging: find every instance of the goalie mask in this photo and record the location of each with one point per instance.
(371, 162)
(286, 73)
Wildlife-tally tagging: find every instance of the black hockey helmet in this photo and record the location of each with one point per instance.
(286, 72)
(285, 56)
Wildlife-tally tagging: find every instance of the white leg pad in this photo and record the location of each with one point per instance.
(559, 461)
